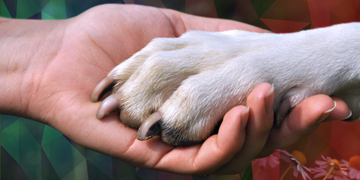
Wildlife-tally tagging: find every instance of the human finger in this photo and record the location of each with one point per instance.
(260, 101)
(214, 152)
(303, 120)
(341, 111)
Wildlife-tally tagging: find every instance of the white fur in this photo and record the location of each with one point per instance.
(195, 79)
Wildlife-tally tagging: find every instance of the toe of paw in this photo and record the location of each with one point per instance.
(175, 137)
(128, 119)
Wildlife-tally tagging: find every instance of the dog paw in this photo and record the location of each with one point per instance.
(178, 88)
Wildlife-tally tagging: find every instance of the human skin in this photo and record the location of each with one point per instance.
(48, 70)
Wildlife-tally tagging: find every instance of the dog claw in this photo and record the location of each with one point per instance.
(109, 105)
(103, 87)
(151, 127)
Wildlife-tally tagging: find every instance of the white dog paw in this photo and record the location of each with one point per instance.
(184, 80)
(180, 88)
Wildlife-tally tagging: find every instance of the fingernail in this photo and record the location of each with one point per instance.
(348, 117)
(326, 114)
(244, 118)
(269, 101)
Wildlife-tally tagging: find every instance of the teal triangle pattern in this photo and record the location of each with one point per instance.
(62, 156)
(41, 3)
(97, 173)
(48, 171)
(26, 9)
(11, 6)
(101, 162)
(79, 148)
(7, 121)
(49, 135)
(35, 129)
(9, 164)
(4, 11)
(46, 16)
(10, 139)
(29, 152)
(78, 172)
(54, 9)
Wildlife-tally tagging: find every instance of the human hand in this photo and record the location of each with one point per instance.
(72, 56)
(262, 138)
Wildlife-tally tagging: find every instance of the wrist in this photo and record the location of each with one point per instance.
(26, 48)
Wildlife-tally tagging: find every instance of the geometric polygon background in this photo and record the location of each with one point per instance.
(31, 150)
(47, 9)
(276, 15)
